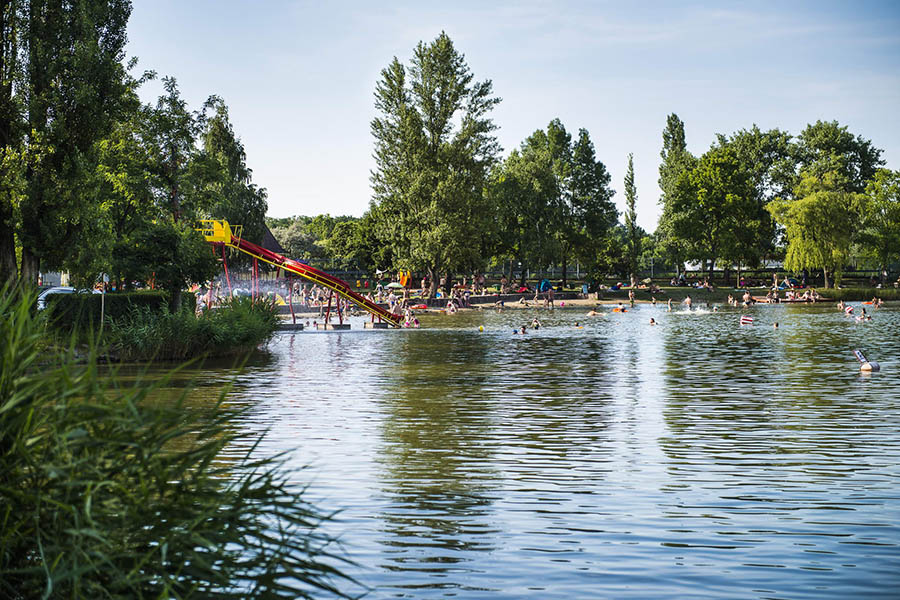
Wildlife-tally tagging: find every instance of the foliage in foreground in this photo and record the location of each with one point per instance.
(105, 494)
(235, 328)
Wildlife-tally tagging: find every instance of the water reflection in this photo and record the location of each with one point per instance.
(435, 458)
(616, 459)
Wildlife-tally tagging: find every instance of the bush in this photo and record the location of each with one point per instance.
(104, 494)
(81, 312)
(235, 328)
(850, 294)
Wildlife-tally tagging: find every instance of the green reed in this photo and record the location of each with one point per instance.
(104, 494)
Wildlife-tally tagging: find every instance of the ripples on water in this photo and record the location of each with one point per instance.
(696, 458)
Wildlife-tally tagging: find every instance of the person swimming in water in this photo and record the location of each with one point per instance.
(687, 302)
(652, 321)
(535, 324)
(523, 332)
(669, 305)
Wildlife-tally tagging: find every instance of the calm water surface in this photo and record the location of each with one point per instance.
(694, 459)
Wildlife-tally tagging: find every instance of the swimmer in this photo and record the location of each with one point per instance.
(653, 300)
(577, 326)
(775, 325)
(535, 324)
(687, 302)
(592, 313)
(669, 305)
(523, 330)
(652, 321)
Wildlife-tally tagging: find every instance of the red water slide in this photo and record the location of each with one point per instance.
(220, 232)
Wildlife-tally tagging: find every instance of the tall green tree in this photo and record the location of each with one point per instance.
(827, 146)
(434, 145)
(11, 127)
(819, 223)
(675, 161)
(226, 178)
(633, 240)
(880, 231)
(525, 190)
(712, 205)
(62, 80)
(590, 213)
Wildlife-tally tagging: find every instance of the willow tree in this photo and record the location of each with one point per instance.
(819, 223)
(434, 144)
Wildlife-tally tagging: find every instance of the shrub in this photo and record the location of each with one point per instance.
(104, 494)
(235, 328)
(81, 312)
(861, 293)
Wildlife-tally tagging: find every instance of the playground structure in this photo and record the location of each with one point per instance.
(221, 234)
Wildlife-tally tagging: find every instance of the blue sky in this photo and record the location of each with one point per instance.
(298, 77)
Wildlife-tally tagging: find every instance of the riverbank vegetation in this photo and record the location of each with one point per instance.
(140, 326)
(234, 328)
(108, 492)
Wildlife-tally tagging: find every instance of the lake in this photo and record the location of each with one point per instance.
(698, 458)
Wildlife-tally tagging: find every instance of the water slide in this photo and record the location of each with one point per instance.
(221, 232)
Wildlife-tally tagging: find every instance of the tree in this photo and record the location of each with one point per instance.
(711, 205)
(591, 212)
(434, 145)
(676, 160)
(525, 190)
(819, 224)
(880, 231)
(633, 239)
(62, 80)
(227, 179)
(826, 146)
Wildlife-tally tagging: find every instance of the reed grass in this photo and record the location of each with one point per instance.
(147, 334)
(105, 494)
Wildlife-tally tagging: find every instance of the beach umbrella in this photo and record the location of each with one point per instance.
(394, 284)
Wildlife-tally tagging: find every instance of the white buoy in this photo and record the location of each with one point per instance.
(870, 366)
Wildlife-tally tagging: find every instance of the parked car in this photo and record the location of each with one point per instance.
(42, 297)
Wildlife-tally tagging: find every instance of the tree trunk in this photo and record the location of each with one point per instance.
(31, 266)
(564, 265)
(175, 300)
(8, 266)
(432, 282)
(825, 276)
